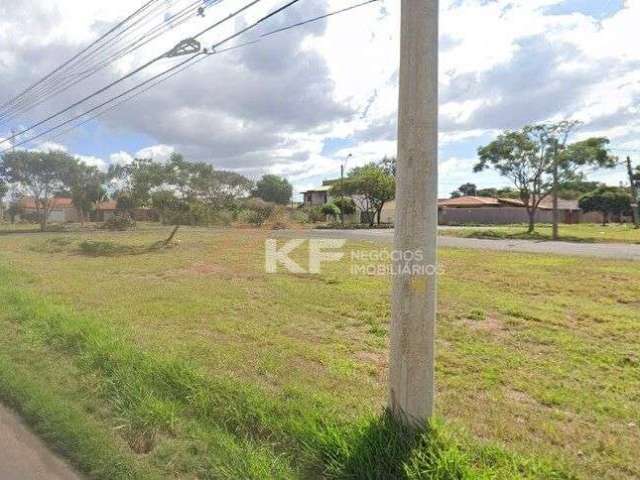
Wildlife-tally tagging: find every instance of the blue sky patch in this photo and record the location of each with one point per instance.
(598, 9)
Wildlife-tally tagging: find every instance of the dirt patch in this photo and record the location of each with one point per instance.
(490, 325)
(379, 362)
(207, 270)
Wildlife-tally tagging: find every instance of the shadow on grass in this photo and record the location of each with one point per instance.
(95, 248)
(383, 448)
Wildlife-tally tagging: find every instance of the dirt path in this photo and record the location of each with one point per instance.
(23, 456)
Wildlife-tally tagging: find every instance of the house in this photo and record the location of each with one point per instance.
(503, 211)
(318, 196)
(106, 210)
(61, 210)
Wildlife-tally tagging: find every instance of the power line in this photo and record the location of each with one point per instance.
(50, 77)
(184, 47)
(141, 9)
(177, 69)
(77, 72)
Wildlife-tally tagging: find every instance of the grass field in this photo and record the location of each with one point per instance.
(585, 232)
(191, 362)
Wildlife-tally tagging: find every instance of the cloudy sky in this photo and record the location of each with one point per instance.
(299, 103)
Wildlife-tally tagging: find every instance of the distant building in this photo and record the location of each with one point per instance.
(61, 210)
(106, 210)
(317, 197)
(503, 211)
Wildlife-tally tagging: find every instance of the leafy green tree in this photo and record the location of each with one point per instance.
(528, 158)
(389, 165)
(346, 205)
(41, 174)
(272, 188)
(467, 189)
(370, 186)
(136, 181)
(608, 201)
(4, 189)
(574, 189)
(518, 156)
(86, 186)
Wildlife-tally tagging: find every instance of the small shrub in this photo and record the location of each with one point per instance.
(346, 205)
(299, 216)
(119, 223)
(315, 214)
(477, 314)
(223, 217)
(331, 209)
(258, 211)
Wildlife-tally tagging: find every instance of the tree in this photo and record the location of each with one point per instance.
(521, 157)
(574, 189)
(370, 186)
(346, 205)
(136, 181)
(4, 189)
(86, 185)
(533, 157)
(609, 201)
(41, 174)
(272, 188)
(389, 165)
(465, 190)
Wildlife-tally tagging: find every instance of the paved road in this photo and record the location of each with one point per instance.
(617, 251)
(24, 457)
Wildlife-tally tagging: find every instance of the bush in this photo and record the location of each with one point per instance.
(119, 222)
(30, 218)
(331, 209)
(348, 206)
(315, 214)
(258, 211)
(299, 216)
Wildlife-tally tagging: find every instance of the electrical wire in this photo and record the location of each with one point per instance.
(50, 77)
(162, 77)
(74, 77)
(147, 65)
(53, 72)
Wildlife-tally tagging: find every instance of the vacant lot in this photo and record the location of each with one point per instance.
(586, 232)
(191, 362)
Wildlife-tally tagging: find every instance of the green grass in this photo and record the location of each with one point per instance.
(194, 363)
(585, 233)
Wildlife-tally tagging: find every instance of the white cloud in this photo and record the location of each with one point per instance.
(120, 158)
(92, 161)
(158, 153)
(272, 107)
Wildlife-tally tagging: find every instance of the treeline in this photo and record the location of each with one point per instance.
(182, 192)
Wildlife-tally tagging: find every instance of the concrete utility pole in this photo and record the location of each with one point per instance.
(412, 386)
(635, 193)
(556, 217)
(342, 168)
